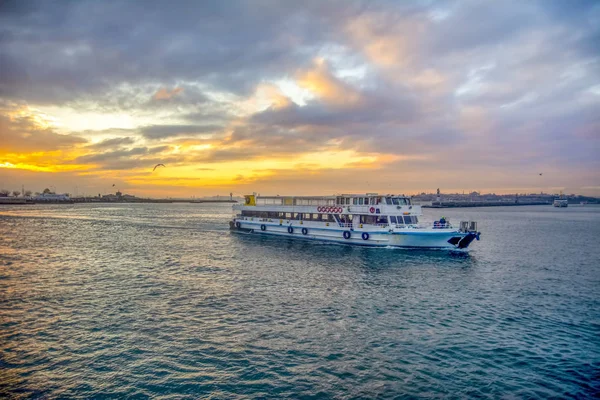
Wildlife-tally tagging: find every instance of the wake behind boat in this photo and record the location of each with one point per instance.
(366, 219)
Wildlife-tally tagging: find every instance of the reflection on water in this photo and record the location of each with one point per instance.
(161, 300)
(332, 254)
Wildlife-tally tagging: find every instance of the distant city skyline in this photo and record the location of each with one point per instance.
(310, 98)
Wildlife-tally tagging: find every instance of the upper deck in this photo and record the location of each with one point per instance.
(368, 203)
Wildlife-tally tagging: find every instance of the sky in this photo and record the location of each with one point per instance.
(304, 98)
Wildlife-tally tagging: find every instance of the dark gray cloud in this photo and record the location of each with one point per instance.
(120, 154)
(170, 131)
(63, 50)
(112, 143)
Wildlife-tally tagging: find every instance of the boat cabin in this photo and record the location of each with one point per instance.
(345, 210)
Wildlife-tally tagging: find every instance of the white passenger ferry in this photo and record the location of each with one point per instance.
(367, 219)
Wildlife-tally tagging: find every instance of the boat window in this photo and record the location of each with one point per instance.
(366, 201)
(381, 220)
(388, 200)
(355, 200)
(367, 219)
(323, 217)
(410, 219)
(395, 201)
(415, 219)
(348, 200)
(393, 219)
(288, 215)
(360, 201)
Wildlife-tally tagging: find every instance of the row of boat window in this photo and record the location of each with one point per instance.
(345, 218)
(408, 219)
(360, 201)
(287, 215)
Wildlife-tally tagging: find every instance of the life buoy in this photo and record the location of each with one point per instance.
(290, 229)
(320, 209)
(372, 210)
(340, 209)
(263, 227)
(365, 236)
(347, 234)
(304, 231)
(238, 225)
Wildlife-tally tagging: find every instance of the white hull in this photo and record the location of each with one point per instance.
(406, 238)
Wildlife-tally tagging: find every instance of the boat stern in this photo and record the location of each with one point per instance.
(468, 232)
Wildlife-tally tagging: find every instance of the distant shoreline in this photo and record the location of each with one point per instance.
(456, 204)
(97, 201)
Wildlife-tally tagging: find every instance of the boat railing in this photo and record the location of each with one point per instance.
(439, 225)
(345, 224)
(468, 226)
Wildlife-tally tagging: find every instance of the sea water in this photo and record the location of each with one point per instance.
(162, 301)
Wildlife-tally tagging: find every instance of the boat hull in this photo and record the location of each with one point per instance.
(405, 238)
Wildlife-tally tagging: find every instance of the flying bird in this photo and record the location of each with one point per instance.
(113, 185)
(158, 165)
(540, 174)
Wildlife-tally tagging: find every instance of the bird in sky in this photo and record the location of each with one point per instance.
(540, 174)
(158, 165)
(113, 185)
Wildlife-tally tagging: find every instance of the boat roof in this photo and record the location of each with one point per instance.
(333, 196)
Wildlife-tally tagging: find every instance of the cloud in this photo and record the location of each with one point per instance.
(110, 155)
(154, 132)
(111, 143)
(24, 131)
(164, 94)
(56, 57)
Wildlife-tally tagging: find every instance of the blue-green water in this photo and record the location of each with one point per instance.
(161, 301)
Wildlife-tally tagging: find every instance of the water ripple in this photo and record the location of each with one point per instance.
(161, 301)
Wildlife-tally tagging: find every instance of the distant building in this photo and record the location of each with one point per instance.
(51, 197)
